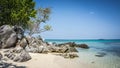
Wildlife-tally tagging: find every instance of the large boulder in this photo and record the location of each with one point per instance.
(18, 54)
(9, 35)
(11, 41)
(85, 46)
(22, 57)
(71, 44)
(23, 43)
(19, 31)
(36, 45)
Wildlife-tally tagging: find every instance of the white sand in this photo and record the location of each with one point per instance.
(85, 60)
(51, 61)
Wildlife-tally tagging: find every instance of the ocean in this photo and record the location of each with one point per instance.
(110, 48)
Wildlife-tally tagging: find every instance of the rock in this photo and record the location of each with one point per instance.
(100, 54)
(18, 54)
(73, 49)
(92, 62)
(65, 48)
(85, 46)
(22, 57)
(71, 44)
(1, 56)
(9, 65)
(36, 45)
(18, 49)
(43, 49)
(19, 31)
(69, 55)
(52, 48)
(5, 59)
(29, 39)
(9, 35)
(11, 41)
(23, 43)
(73, 55)
(5, 29)
(12, 66)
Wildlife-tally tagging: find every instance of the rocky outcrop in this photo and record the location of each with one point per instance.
(18, 54)
(68, 55)
(9, 36)
(85, 46)
(13, 36)
(73, 45)
(36, 46)
(9, 65)
(4, 64)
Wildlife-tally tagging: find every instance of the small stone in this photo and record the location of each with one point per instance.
(93, 62)
(11, 66)
(100, 54)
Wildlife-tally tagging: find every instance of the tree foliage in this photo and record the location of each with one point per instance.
(16, 12)
(22, 13)
(41, 17)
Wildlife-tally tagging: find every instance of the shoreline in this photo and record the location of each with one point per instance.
(49, 60)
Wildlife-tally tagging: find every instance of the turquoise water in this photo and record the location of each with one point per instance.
(111, 47)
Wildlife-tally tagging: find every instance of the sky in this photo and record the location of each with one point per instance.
(82, 19)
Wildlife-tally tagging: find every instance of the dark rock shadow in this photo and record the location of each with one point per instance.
(9, 65)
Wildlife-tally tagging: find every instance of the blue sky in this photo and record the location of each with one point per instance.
(82, 19)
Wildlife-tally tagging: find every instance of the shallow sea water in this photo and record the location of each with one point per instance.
(110, 49)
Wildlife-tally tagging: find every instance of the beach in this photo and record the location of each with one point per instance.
(51, 61)
(85, 60)
(101, 54)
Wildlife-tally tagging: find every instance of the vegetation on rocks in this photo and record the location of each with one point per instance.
(20, 16)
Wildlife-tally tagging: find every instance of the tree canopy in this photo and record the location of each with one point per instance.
(23, 13)
(16, 12)
(42, 15)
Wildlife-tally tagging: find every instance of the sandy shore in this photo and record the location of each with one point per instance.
(51, 61)
(85, 60)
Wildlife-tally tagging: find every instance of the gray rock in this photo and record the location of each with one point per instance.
(85, 46)
(1, 56)
(11, 41)
(69, 55)
(9, 35)
(22, 57)
(18, 54)
(36, 45)
(65, 48)
(100, 54)
(12, 66)
(29, 39)
(23, 43)
(6, 34)
(19, 31)
(73, 49)
(17, 49)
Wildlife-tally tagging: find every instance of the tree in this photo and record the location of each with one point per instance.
(16, 12)
(41, 17)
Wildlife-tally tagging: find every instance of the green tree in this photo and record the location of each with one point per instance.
(41, 17)
(16, 12)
